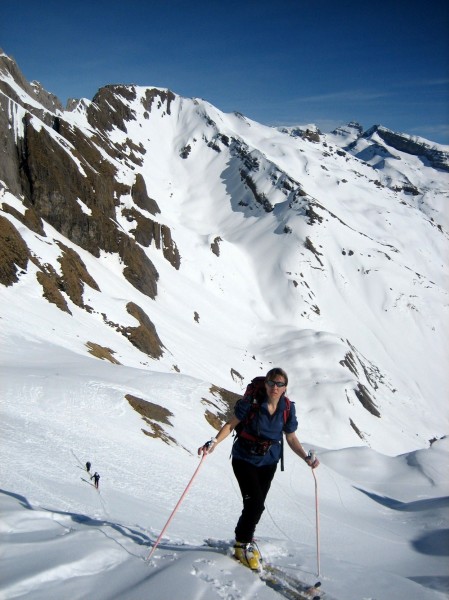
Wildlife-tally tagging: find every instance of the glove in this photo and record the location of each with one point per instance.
(312, 460)
(207, 447)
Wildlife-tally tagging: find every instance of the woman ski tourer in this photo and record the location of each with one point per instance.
(260, 419)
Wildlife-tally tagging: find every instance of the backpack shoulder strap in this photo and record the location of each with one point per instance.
(286, 409)
(286, 416)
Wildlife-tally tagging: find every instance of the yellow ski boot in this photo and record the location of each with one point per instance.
(248, 554)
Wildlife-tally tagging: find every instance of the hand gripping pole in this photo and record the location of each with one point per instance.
(189, 485)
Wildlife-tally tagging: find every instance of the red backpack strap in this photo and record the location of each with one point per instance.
(286, 409)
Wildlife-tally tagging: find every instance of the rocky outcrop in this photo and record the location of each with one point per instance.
(14, 253)
(352, 128)
(108, 111)
(310, 133)
(51, 284)
(140, 196)
(29, 218)
(47, 99)
(74, 275)
(66, 181)
(144, 337)
(438, 159)
(161, 97)
(155, 417)
(9, 165)
(66, 177)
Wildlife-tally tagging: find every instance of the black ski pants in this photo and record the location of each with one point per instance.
(254, 485)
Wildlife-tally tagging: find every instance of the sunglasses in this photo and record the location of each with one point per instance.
(278, 384)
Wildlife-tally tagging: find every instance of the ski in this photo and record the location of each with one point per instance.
(290, 586)
(287, 585)
(89, 482)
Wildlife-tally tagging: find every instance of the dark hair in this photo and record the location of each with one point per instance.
(277, 371)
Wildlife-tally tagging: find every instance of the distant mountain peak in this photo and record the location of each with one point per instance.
(350, 129)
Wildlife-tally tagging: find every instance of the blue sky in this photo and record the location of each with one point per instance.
(280, 62)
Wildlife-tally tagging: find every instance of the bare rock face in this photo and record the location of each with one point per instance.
(48, 100)
(140, 196)
(30, 218)
(9, 166)
(74, 275)
(144, 337)
(107, 111)
(439, 159)
(66, 177)
(65, 180)
(14, 253)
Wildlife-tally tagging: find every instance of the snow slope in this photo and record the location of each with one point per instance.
(383, 520)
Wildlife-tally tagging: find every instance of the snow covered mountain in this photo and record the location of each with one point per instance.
(156, 254)
(142, 226)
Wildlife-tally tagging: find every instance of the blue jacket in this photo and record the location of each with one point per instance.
(265, 426)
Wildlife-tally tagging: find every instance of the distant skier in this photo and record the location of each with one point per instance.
(96, 478)
(88, 465)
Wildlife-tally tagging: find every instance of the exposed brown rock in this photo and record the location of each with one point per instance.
(51, 284)
(47, 99)
(74, 275)
(140, 196)
(356, 429)
(350, 363)
(102, 352)
(139, 269)
(218, 413)
(312, 136)
(66, 180)
(309, 245)
(53, 184)
(149, 410)
(365, 399)
(107, 110)
(14, 253)
(259, 197)
(161, 96)
(169, 249)
(215, 246)
(9, 166)
(158, 432)
(215, 420)
(153, 414)
(146, 229)
(144, 337)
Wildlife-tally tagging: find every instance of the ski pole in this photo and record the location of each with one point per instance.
(176, 508)
(317, 514)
